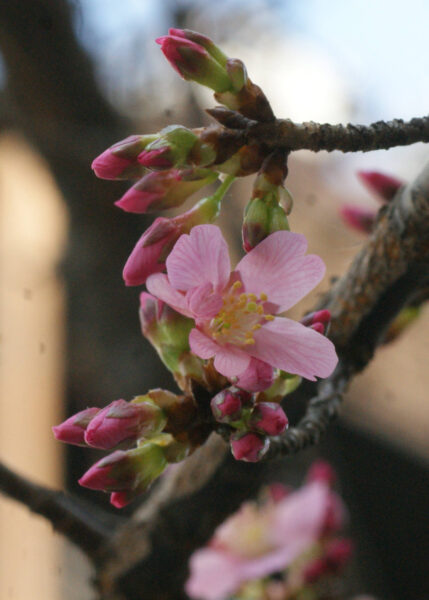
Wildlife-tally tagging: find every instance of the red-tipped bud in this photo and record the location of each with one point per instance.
(156, 159)
(126, 470)
(249, 446)
(227, 405)
(384, 186)
(321, 470)
(162, 190)
(358, 218)
(72, 431)
(120, 160)
(194, 62)
(319, 320)
(123, 421)
(151, 251)
(268, 418)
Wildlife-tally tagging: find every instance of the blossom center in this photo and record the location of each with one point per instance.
(240, 316)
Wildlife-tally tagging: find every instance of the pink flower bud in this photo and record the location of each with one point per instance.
(151, 251)
(321, 470)
(318, 327)
(193, 62)
(268, 418)
(156, 159)
(249, 447)
(318, 320)
(226, 406)
(131, 470)
(384, 186)
(162, 190)
(109, 473)
(72, 431)
(356, 217)
(120, 160)
(123, 421)
(109, 165)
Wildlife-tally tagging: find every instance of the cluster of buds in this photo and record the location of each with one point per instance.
(384, 188)
(145, 435)
(252, 423)
(169, 166)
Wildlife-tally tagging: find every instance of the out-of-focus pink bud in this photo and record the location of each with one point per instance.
(268, 418)
(194, 62)
(338, 553)
(162, 190)
(278, 491)
(316, 569)
(120, 160)
(321, 470)
(249, 446)
(356, 217)
(123, 421)
(119, 499)
(319, 320)
(151, 251)
(227, 405)
(72, 431)
(384, 186)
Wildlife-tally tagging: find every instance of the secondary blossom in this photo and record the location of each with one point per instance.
(236, 314)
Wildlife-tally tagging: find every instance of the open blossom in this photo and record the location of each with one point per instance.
(260, 540)
(236, 314)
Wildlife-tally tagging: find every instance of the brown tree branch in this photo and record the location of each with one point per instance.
(85, 526)
(284, 133)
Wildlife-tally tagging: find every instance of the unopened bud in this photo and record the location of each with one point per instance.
(122, 421)
(120, 160)
(123, 470)
(319, 321)
(228, 404)
(321, 470)
(338, 553)
(358, 218)
(261, 218)
(258, 376)
(268, 418)
(72, 431)
(249, 446)
(384, 186)
(161, 190)
(195, 62)
(171, 148)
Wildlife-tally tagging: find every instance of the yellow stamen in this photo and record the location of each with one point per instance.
(263, 296)
(249, 342)
(269, 317)
(252, 307)
(252, 297)
(236, 285)
(260, 310)
(256, 327)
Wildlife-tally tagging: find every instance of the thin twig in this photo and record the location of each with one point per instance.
(87, 527)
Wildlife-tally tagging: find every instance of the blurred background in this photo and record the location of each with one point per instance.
(77, 76)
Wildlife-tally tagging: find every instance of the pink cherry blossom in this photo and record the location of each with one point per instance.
(237, 314)
(258, 541)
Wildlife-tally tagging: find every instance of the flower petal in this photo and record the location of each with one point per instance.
(201, 345)
(159, 286)
(278, 268)
(214, 575)
(231, 361)
(290, 346)
(198, 258)
(203, 302)
(257, 377)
